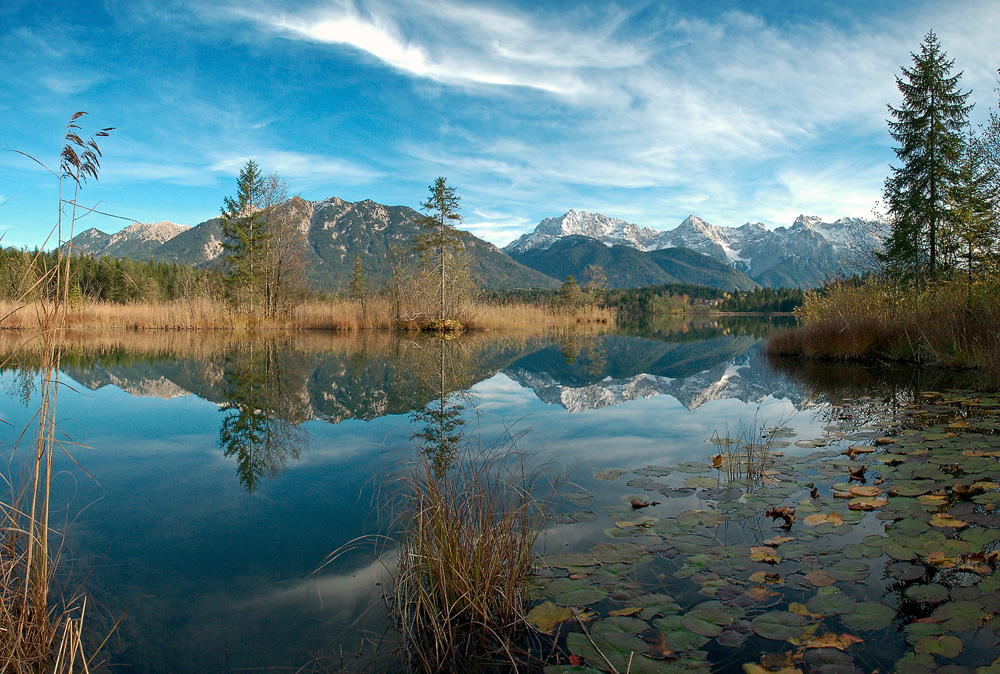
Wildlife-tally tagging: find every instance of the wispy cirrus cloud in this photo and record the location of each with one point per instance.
(303, 168)
(458, 43)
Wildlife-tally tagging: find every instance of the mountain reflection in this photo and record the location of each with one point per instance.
(268, 387)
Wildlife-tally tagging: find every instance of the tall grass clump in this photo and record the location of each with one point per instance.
(37, 633)
(747, 457)
(952, 322)
(465, 556)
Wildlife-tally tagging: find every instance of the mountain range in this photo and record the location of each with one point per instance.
(697, 252)
(804, 254)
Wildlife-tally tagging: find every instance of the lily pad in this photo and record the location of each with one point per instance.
(946, 646)
(830, 601)
(700, 481)
(547, 616)
(707, 621)
(927, 594)
(869, 615)
(612, 553)
(779, 625)
(677, 637)
(564, 560)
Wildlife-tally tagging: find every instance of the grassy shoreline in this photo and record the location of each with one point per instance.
(947, 324)
(335, 315)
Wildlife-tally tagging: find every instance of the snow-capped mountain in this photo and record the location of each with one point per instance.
(744, 378)
(609, 231)
(805, 254)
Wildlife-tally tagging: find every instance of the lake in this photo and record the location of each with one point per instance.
(211, 479)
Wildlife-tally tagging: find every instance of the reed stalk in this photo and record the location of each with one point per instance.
(952, 323)
(35, 634)
(465, 557)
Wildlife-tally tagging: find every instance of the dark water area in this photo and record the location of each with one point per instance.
(212, 478)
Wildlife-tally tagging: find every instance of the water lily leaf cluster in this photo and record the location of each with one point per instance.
(878, 550)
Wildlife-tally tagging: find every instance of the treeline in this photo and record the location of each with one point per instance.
(684, 297)
(26, 274)
(764, 300)
(674, 298)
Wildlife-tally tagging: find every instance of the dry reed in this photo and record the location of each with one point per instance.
(35, 635)
(340, 315)
(949, 323)
(465, 557)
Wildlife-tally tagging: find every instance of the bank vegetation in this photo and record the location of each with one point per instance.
(932, 294)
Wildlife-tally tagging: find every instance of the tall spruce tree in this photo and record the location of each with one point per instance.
(440, 238)
(243, 233)
(929, 127)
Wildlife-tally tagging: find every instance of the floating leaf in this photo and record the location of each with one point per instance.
(820, 578)
(676, 636)
(613, 553)
(547, 616)
(831, 640)
(946, 646)
(700, 481)
(641, 522)
(850, 570)
(869, 615)
(948, 521)
(927, 594)
(821, 518)
(764, 554)
(582, 596)
(779, 625)
(563, 560)
(830, 601)
(610, 474)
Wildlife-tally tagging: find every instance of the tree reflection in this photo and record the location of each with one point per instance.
(265, 402)
(444, 374)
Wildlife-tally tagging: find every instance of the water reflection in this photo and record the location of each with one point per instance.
(264, 405)
(206, 524)
(439, 424)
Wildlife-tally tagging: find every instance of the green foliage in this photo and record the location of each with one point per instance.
(244, 232)
(680, 297)
(440, 237)
(929, 127)
(358, 287)
(570, 294)
(103, 279)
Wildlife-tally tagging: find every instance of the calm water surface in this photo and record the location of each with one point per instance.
(215, 477)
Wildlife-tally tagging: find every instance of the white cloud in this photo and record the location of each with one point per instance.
(461, 44)
(299, 167)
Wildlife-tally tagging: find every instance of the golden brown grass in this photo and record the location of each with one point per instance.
(37, 634)
(337, 315)
(465, 557)
(948, 323)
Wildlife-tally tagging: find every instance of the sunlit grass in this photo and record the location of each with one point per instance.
(949, 323)
(465, 557)
(342, 315)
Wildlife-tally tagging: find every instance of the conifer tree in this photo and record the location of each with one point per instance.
(243, 233)
(440, 236)
(929, 127)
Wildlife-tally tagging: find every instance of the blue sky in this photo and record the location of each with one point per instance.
(649, 111)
